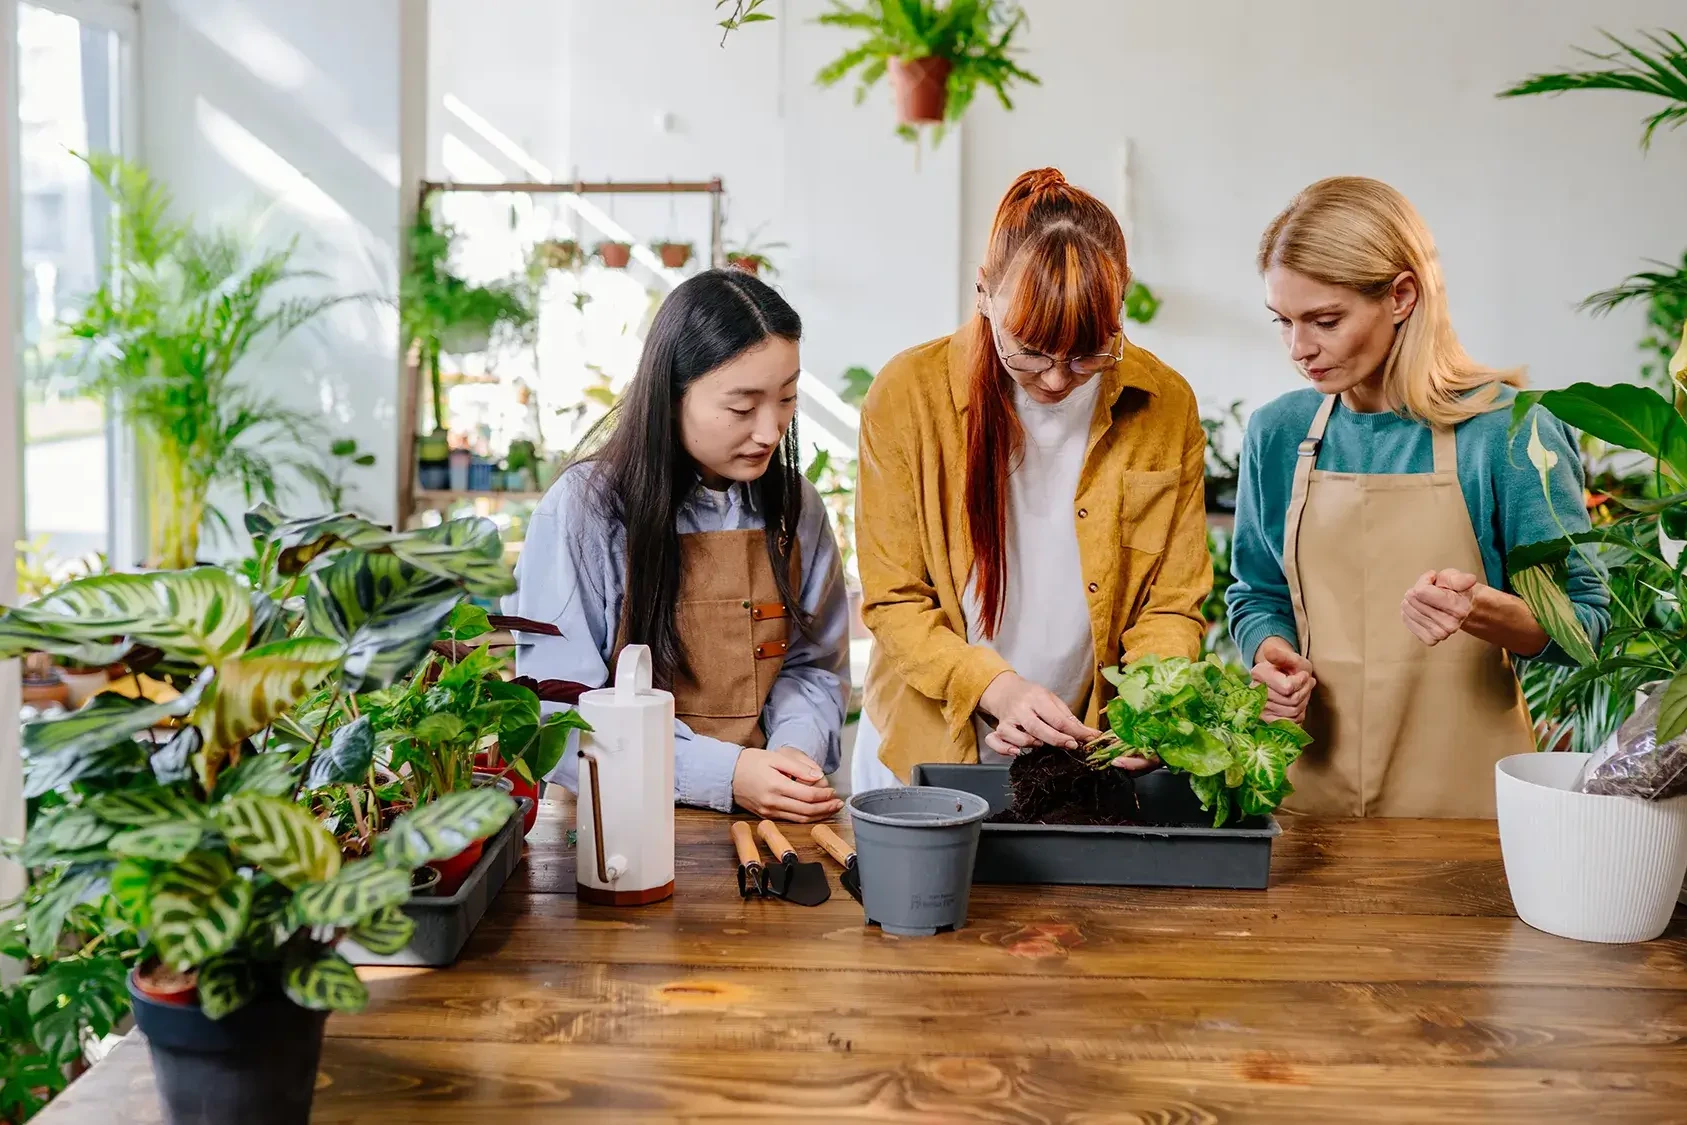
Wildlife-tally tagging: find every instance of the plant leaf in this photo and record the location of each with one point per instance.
(167, 842)
(64, 745)
(199, 908)
(358, 891)
(131, 886)
(270, 773)
(443, 828)
(347, 756)
(201, 615)
(323, 982)
(251, 690)
(1541, 588)
(386, 611)
(385, 932)
(1672, 710)
(44, 919)
(280, 837)
(143, 808)
(226, 984)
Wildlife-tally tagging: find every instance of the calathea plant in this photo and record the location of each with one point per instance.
(197, 832)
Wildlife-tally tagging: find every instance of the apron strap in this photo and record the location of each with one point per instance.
(1305, 461)
(1446, 450)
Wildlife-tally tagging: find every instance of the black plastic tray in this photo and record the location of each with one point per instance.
(443, 925)
(1181, 848)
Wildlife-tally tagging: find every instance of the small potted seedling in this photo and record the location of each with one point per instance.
(751, 255)
(675, 254)
(614, 255)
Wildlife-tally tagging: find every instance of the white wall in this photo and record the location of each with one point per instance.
(1230, 105)
(580, 88)
(11, 440)
(286, 112)
(1233, 105)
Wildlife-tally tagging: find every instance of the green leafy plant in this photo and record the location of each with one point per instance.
(1202, 718)
(1141, 305)
(743, 12)
(330, 479)
(856, 382)
(162, 339)
(1647, 642)
(1657, 69)
(974, 37)
(186, 812)
(441, 313)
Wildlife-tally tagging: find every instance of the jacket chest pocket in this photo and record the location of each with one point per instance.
(1147, 506)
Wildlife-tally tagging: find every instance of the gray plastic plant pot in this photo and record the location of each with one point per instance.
(914, 848)
(444, 923)
(1176, 846)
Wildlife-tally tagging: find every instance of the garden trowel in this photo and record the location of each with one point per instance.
(834, 846)
(788, 877)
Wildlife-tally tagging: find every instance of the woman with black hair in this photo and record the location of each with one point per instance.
(688, 526)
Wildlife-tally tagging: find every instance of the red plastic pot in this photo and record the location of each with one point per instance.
(487, 764)
(453, 871)
(922, 89)
(165, 986)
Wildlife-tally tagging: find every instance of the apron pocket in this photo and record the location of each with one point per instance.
(1146, 508)
(721, 650)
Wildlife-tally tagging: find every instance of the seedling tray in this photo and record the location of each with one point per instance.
(443, 924)
(1180, 848)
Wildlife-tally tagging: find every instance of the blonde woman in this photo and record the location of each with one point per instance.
(1375, 513)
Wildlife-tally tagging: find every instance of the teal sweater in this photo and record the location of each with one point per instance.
(1501, 487)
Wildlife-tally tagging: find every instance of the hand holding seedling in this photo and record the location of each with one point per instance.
(1028, 715)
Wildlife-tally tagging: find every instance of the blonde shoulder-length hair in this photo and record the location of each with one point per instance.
(1361, 234)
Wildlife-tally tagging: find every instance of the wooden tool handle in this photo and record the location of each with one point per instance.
(745, 843)
(775, 839)
(833, 843)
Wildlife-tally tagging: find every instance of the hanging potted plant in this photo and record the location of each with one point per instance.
(614, 255)
(674, 253)
(751, 255)
(558, 254)
(937, 53)
(241, 895)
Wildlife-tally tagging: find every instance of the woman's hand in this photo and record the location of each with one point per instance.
(1288, 680)
(1439, 605)
(782, 784)
(1028, 715)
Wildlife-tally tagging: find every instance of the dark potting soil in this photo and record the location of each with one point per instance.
(1054, 786)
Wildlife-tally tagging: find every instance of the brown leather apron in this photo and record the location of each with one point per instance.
(1399, 728)
(735, 629)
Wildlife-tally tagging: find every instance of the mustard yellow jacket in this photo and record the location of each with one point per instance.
(1142, 541)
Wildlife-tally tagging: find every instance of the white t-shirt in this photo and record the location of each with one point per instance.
(1045, 630)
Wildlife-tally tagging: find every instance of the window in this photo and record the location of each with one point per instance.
(70, 73)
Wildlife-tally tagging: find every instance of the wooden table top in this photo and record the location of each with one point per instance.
(1382, 978)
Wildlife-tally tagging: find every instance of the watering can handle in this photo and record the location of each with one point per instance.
(632, 672)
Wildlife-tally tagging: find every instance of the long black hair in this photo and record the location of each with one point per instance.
(642, 474)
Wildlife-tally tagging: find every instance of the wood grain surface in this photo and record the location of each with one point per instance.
(1382, 978)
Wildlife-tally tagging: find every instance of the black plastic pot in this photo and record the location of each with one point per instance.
(256, 1066)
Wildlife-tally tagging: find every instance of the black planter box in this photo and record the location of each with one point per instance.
(1180, 848)
(444, 923)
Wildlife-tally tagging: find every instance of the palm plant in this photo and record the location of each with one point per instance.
(162, 340)
(1658, 69)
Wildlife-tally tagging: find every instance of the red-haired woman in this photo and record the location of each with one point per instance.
(1029, 506)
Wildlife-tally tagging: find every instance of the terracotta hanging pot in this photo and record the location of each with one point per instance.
(615, 255)
(749, 263)
(922, 89)
(674, 254)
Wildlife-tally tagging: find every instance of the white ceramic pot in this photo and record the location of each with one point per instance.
(1584, 866)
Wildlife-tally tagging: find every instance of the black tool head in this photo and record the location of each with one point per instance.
(802, 883)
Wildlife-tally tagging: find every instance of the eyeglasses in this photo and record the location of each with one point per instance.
(1028, 362)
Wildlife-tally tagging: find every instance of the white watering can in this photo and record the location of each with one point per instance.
(624, 817)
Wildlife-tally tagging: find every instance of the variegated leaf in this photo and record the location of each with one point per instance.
(323, 982)
(167, 842)
(226, 984)
(191, 925)
(358, 891)
(1542, 590)
(201, 615)
(387, 611)
(254, 688)
(386, 932)
(142, 808)
(272, 774)
(280, 837)
(444, 827)
(131, 886)
(347, 756)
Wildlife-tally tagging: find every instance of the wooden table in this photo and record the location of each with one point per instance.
(1382, 978)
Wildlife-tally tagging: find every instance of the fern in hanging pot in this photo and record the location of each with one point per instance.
(936, 52)
(187, 811)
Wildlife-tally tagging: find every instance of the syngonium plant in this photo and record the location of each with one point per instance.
(200, 837)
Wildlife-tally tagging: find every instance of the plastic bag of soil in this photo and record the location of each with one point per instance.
(1632, 764)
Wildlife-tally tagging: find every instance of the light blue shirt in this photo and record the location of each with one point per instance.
(572, 573)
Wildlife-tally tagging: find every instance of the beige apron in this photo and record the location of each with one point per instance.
(1399, 728)
(735, 629)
